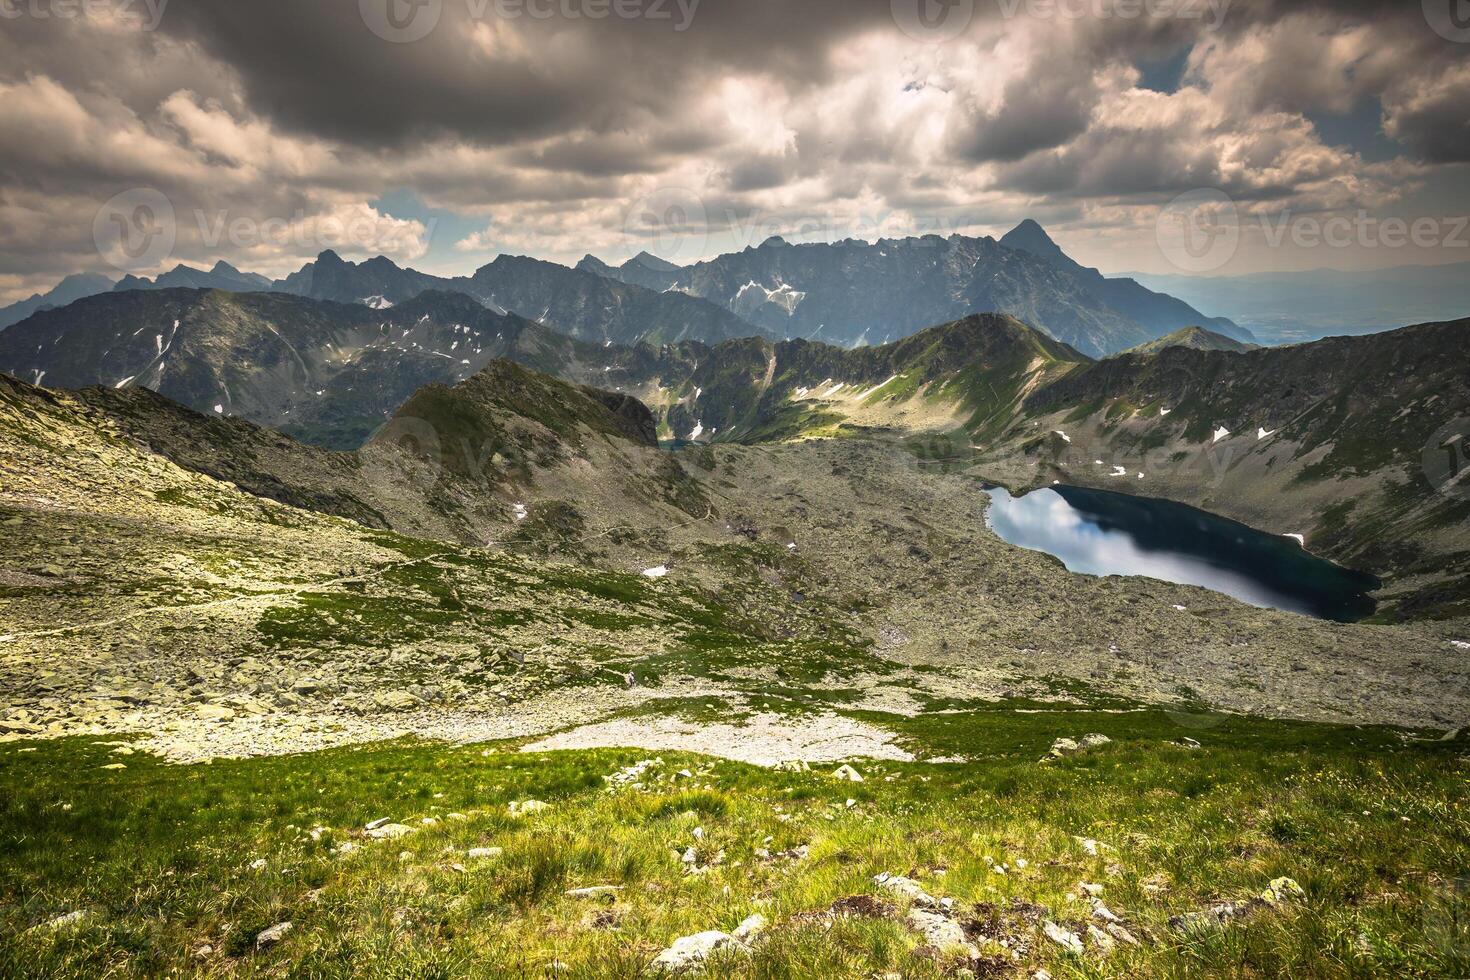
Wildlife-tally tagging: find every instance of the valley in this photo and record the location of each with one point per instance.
(236, 653)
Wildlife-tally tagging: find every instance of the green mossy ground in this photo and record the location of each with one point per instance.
(1373, 825)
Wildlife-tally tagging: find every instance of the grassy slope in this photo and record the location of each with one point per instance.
(1375, 830)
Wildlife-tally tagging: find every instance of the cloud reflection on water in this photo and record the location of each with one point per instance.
(1043, 521)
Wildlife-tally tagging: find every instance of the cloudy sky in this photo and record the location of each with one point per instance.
(444, 132)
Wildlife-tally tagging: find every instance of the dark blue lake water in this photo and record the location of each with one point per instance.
(1097, 532)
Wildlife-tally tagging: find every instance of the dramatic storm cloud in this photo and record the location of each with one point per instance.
(443, 132)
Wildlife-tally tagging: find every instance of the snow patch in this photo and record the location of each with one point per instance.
(658, 571)
(1262, 434)
(877, 388)
(752, 296)
(1220, 433)
(1065, 437)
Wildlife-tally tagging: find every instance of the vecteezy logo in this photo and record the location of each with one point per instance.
(1450, 19)
(135, 231)
(1446, 460)
(933, 21)
(1198, 231)
(671, 223)
(401, 21)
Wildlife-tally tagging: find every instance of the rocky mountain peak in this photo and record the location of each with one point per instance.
(1029, 236)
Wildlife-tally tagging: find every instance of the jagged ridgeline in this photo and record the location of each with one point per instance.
(328, 372)
(332, 373)
(847, 293)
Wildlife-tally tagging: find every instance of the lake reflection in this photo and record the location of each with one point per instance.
(1096, 532)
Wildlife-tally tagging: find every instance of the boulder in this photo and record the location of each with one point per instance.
(690, 952)
(389, 831)
(525, 808)
(1064, 938)
(1100, 941)
(1282, 891)
(937, 930)
(750, 927)
(269, 937)
(396, 701)
(907, 888)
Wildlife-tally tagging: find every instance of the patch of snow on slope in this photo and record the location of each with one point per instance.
(752, 296)
(878, 388)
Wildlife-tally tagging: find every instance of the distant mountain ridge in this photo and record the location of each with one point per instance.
(1195, 338)
(1155, 311)
(644, 269)
(330, 373)
(848, 293)
(852, 292)
(69, 290)
(221, 276)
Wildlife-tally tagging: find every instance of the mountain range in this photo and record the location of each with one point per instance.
(852, 293)
(69, 290)
(848, 293)
(1293, 439)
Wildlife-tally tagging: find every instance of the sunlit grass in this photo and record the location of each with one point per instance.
(163, 858)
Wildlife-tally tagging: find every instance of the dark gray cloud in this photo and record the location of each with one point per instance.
(546, 132)
(488, 77)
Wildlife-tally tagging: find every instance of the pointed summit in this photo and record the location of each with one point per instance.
(650, 261)
(1029, 236)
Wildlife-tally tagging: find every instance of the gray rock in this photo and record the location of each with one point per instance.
(1069, 941)
(390, 831)
(269, 937)
(750, 927)
(690, 952)
(907, 888)
(937, 930)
